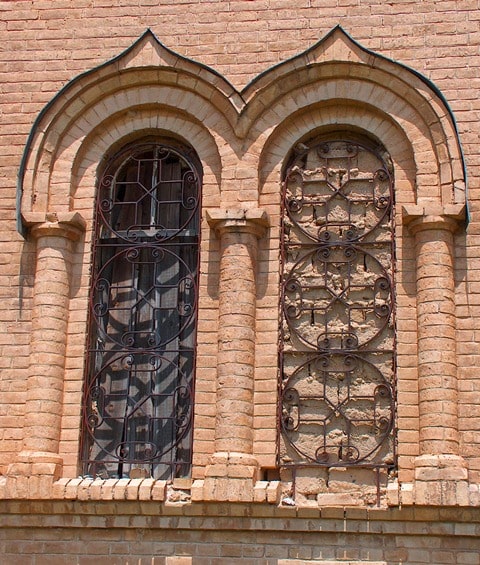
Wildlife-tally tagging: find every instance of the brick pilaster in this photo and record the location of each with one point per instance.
(54, 236)
(233, 468)
(440, 472)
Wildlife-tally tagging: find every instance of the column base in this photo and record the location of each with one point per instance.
(230, 477)
(441, 480)
(32, 475)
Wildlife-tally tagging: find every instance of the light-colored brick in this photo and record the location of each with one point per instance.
(243, 123)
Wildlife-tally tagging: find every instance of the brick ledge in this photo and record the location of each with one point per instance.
(178, 491)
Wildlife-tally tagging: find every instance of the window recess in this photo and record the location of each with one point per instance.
(337, 385)
(138, 395)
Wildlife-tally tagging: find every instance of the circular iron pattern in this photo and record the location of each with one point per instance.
(342, 300)
(138, 419)
(331, 403)
(337, 405)
(110, 311)
(138, 395)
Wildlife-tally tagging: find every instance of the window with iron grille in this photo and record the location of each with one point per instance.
(138, 394)
(337, 387)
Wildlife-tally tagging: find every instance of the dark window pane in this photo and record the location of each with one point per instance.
(138, 401)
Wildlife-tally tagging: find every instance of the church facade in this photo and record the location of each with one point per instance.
(239, 273)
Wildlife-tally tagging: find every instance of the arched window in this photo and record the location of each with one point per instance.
(138, 396)
(337, 341)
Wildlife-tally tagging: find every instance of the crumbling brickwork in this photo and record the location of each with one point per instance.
(337, 339)
(248, 86)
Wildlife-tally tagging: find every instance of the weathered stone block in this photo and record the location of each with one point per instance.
(71, 488)
(159, 490)
(108, 488)
(197, 491)
(145, 489)
(260, 491)
(274, 492)
(120, 489)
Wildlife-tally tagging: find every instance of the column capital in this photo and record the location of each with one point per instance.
(69, 225)
(234, 220)
(433, 216)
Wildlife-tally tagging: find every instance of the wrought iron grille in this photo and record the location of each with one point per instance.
(138, 394)
(337, 389)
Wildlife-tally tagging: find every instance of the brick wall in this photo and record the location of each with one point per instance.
(211, 534)
(46, 44)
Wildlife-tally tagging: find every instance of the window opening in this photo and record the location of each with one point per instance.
(337, 388)
(138, 396)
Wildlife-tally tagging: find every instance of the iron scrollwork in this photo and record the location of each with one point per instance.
(337, 344)
(138, 395)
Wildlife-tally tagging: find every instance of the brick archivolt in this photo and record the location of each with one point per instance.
(436, 157)
(124, 91)
(337, 69)
(148, 79)
(113, 122)
(118, 130)
(242, 139)
(361, 119)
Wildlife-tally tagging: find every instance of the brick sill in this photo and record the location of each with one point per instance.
(180, 491)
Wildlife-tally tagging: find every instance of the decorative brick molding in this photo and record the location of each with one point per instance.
(126, 529)
(441, 475)
(233, 469)
(54, 235)
(178, 491)
(243, 138)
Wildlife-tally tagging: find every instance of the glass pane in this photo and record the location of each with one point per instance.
(138, 400)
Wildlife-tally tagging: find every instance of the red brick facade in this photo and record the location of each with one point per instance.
(246, 85)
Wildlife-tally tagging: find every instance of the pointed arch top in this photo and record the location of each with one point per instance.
(251, 114)
(147, 64)
(339, 71)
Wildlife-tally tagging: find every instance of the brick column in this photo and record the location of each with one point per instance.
(440, 472)
(54, 235)
(232, 472)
